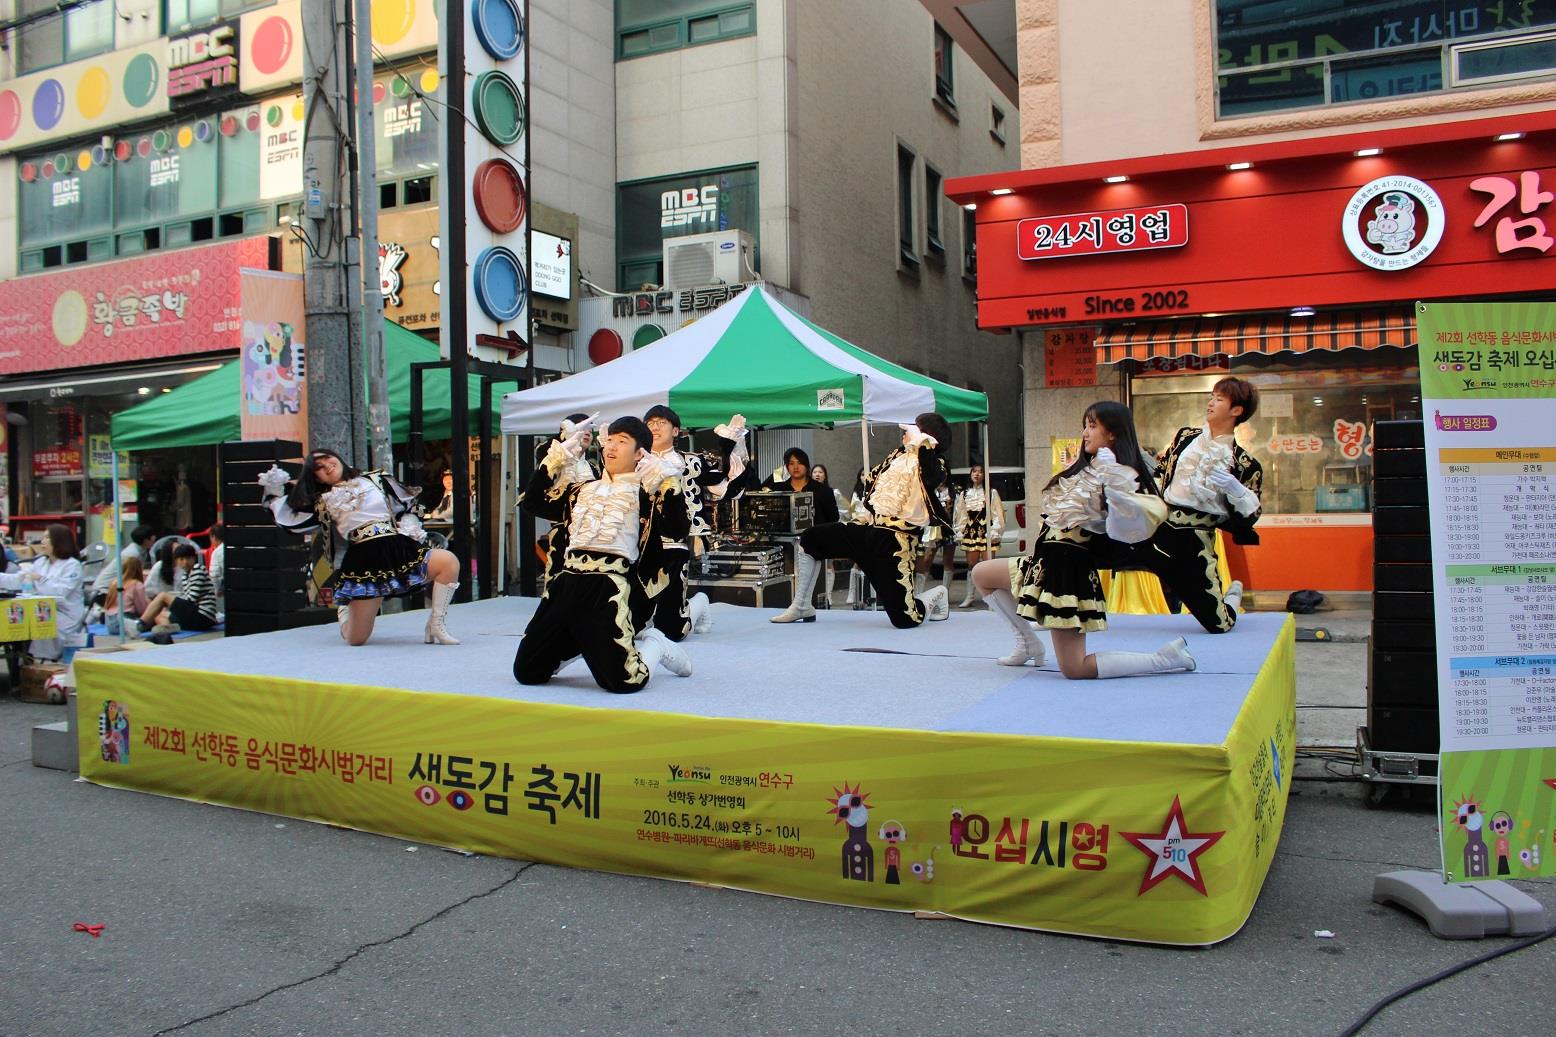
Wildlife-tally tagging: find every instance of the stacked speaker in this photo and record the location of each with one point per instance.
(1402, 668)
(266, 566)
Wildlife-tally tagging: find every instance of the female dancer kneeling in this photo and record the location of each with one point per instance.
(1106, 496)
(377, 548)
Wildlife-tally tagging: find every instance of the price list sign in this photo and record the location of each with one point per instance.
(1488, 379)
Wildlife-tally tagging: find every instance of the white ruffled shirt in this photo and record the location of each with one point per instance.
(899, 492)
(1191, 486)
(605, 516)
(1077, 500)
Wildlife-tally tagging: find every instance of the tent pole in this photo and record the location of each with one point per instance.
(983, 428)
(864, 441)
(118, 536)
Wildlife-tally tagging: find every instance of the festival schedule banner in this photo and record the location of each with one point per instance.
(1160, 842)
(274, 385)
(1488, 379)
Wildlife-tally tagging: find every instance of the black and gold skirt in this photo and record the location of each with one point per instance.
(1057, 586)
(975, 531)
(380, 562)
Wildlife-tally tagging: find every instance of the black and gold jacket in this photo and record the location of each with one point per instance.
(1248, 471)
(931, 473)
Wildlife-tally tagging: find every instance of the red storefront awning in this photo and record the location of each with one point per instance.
(1257, 333)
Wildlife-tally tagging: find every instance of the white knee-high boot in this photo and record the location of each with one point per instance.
(1234, 596)
(826, 585)
(437, 628)
(1174, 655)
(972, 591)
(702, 618)
(800, 610)
(342, 617)
(1027, 644)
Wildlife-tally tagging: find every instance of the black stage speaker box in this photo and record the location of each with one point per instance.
(266, 582)
(1402, 664)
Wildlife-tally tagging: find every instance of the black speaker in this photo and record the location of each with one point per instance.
(1392, 435)
(1393, 636)
(1409, 492)
(1397, 678)
(1407, 576)
(1405, 729)
(1401, 548)
(265, 564)
(1407, 606)
(1399, 464)
(1401, 521)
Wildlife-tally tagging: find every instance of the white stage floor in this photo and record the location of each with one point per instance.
(848, 668)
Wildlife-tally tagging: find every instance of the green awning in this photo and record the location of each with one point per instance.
(204, 412)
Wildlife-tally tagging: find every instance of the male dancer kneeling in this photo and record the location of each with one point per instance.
(614, 527)
(900, 501)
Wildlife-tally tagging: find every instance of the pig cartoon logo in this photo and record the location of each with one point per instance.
(1393, 226)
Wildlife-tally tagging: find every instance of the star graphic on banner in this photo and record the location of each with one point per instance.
(1174, 850)
(1551, 782)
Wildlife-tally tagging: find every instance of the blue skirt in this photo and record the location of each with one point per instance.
(381, 567)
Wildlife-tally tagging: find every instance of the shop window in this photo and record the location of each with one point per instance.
(907, 245)
(1312, 53)
(945, 82)
(648, 212)
(230, 224)
(75, 252)
(418, 190)
(653, 26)
(52, 38)
(203, 229)
(932, 200)
(1312, 431)
(388, 195)
(179, 15)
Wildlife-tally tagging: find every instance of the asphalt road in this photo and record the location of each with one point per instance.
(221, 922)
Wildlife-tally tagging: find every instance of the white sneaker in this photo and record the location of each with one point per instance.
(937, 604)
(671, 655)
(1234, 596)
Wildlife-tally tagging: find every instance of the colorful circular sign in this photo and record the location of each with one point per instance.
(647, 335)
(92, 92)
(499, 25)
(500, 198)
(271, 47)
(392, 20)
(141, 78)
(499, 108)
(500, 284)
(604, 346)
(1393, 223)
(10, 114)
(48, 104)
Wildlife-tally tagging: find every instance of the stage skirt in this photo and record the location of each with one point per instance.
(1057, 586)
(380, 565)
(975, 532)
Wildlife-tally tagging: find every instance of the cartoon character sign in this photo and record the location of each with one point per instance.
(390, 256)
(113, 732)
(1393, 226)
(272, 369)
(1467, 815)
(892, 833)
(850, 806)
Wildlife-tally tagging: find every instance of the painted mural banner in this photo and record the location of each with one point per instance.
(1488, 376)
(273, 382)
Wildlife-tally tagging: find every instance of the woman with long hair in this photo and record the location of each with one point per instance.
(55, 573)
(379, 550)
(980, 519)
(1105, 498)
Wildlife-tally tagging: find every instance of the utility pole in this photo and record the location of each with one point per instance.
(372, 309)
(337, 416)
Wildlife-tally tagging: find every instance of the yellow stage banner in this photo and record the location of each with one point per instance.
(1155, 842)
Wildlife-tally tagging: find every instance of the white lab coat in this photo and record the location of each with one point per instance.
(61, 579)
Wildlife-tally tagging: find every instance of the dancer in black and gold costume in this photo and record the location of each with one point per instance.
(1209, 483)
(899, 502)
(613, 529)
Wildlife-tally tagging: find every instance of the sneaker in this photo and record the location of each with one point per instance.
(166, 628)
(937, 605)
(672, 656)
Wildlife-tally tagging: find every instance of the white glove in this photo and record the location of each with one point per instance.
(1105, 456)
(573, 443)
(651, 471)
(1227, 483)
(736, 429)
(274, 480)
(915, 437)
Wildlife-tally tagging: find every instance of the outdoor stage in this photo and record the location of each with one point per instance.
(1144, 808)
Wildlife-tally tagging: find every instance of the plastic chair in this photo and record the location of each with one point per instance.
(92, 560)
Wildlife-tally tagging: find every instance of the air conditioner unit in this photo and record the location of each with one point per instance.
(702, 259)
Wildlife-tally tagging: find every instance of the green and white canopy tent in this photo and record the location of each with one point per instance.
(751, 356)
